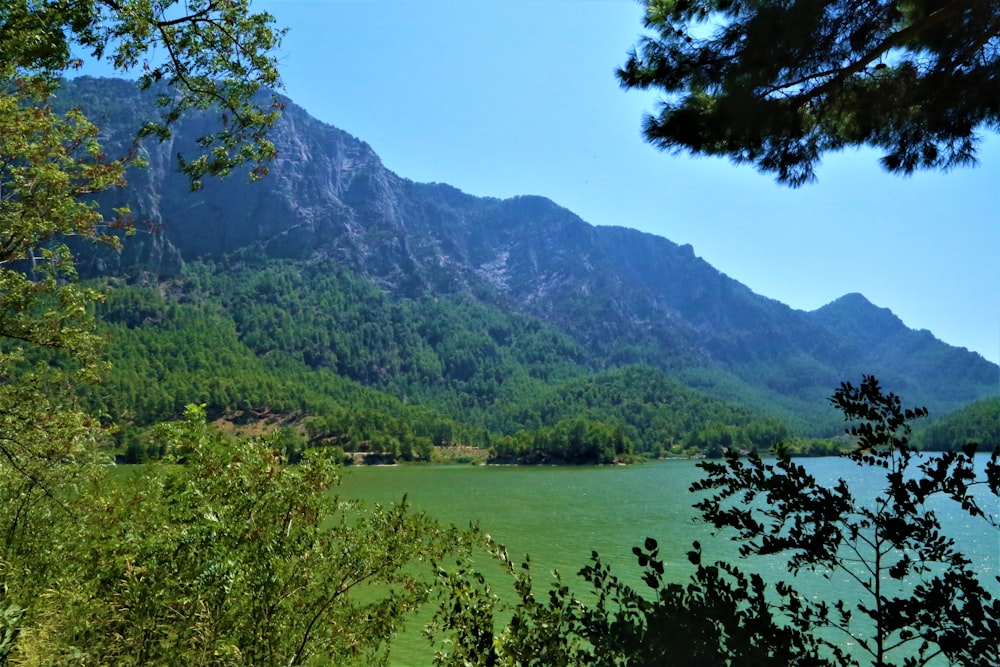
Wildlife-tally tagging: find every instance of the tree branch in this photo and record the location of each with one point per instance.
(894, 40)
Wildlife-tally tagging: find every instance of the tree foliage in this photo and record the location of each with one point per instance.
(49, 165)
(226, 555)
(212, 55)
(916, 590)
(777, 84)
(721, 616)
(52, 166)
(575, 441)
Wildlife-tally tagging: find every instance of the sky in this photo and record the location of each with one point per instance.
(509, 97)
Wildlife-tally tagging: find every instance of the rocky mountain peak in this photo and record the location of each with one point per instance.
(860, 319)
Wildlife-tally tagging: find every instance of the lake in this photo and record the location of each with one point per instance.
(559, 515)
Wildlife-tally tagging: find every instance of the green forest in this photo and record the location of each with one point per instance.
(328, 359)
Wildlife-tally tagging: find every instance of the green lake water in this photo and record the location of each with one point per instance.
(559, 515)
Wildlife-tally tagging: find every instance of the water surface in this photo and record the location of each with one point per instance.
(559, 515)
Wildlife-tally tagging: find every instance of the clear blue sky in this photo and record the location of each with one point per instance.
(517, 97)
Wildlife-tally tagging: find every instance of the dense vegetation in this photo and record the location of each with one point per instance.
(978, 423)
(162, 353)
(338, 362)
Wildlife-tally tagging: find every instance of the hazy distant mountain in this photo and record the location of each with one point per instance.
(627, 296)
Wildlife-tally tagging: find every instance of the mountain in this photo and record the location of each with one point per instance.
(909, 360)
(624, 296)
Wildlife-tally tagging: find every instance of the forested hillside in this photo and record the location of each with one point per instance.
(362, 310)
(611, 297)
(332, 360)
(328, 359)
(976, 423)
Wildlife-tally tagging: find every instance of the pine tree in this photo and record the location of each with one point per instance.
(777, 85)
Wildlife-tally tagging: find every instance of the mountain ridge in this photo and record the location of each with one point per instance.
(627, 296)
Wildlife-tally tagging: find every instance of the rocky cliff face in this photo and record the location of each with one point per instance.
(629, 297)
